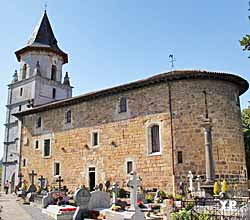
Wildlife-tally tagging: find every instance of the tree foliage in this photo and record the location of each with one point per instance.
(245, 42)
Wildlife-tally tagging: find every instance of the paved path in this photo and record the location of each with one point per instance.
(13, 209)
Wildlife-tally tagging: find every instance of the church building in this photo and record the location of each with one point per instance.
(163, 126)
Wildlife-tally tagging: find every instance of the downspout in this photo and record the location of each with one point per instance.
(172, 134)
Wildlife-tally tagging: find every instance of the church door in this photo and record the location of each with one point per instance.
(12, 184)
(92, 178)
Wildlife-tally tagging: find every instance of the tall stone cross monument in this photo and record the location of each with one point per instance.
(133, 183)
(207, 125)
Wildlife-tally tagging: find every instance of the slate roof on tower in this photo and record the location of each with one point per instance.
(43, 38)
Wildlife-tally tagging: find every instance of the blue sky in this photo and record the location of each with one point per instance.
(117, 41)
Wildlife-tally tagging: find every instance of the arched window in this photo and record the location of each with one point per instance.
(153, 138)
(53, 72)
(68, 117)
(24, 72)
(123, 105)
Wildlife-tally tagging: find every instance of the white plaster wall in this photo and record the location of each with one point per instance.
(46, 60)
(28, 92)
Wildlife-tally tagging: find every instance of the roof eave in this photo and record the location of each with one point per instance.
(30, 48)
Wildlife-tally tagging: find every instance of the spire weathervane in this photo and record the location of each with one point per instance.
(172, 60)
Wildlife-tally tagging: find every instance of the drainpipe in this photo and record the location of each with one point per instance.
(172, 134)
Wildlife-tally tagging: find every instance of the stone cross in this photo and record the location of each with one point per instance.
(115, 192)
(133, 183)
(190, 177)
(42, 182)
(32, 174)
(59, 181)
(198, 179)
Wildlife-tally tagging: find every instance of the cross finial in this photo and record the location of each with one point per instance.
(172, 60)
(45, 5)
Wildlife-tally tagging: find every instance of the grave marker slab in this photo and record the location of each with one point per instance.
(99, 200)
(82, 198)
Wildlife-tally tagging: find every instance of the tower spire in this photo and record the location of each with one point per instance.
(43, 38)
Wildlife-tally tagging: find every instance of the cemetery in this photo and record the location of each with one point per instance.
(112, 202)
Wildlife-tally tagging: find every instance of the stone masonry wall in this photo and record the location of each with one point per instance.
(128, 131)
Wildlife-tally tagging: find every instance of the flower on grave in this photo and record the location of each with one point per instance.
(140, 204)
(116, 208)
(224, 186)
(216, 188)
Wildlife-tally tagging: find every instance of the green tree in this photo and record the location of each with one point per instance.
(246, 132)
(245, 41)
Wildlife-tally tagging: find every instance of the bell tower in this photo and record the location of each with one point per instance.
(39, 81)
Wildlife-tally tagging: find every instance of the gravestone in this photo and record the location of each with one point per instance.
(181, 188)
(107, 185)
(114, 193)
(59, 181)
(32, 187)
(166, 209)
(49, 199)
(190, 178)
(42, 183)
(65, 212)
(157, 195)
(99, 200)
(100, 187)
(134, 183)
(198, 180)
(82, 198)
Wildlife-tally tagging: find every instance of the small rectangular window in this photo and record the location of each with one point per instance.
(155, 139)
(38, 122)
(68, 116)
(36, 144)
(54, 93)
(20, 108)
(95, 139)
(179, 157)
(56, 169)
(123, 105)
(129, 167)
(21, 91)
(24, 162)
(46, 148)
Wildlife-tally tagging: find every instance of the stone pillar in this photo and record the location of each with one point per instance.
(210, 172)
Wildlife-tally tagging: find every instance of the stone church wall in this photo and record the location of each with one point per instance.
(124, 137)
